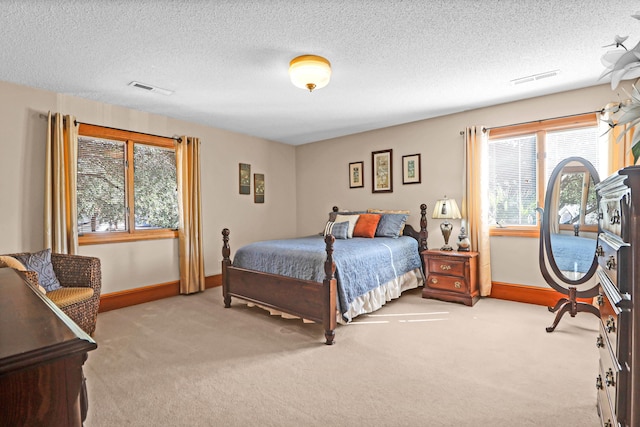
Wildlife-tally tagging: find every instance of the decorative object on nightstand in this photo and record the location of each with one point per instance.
(464, 244)
(451, 276)
(446, 209)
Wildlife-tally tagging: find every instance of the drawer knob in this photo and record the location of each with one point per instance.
(445, 267)
(610, 325)
(599, 383)
(599, 251)
(611, 262)
(609, 379)
(608, 423)
(434, 280)
(600, 300)
(600, 341)
(458, 285)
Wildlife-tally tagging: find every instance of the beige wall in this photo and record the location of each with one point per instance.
(302, 183)
(323, 172)
(131, 265)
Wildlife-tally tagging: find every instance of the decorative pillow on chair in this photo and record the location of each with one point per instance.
(391, 225)
(366, 225)
(339, 230)
(40, 262)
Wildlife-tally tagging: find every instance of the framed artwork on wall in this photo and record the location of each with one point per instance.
(356, 175)
(411, 169)
(382, 171)
(245, 178)
(258, 187)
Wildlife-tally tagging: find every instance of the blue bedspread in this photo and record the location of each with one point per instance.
(362, 264)
(573, 253)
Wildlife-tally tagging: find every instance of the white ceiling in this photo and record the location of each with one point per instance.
(394, 61)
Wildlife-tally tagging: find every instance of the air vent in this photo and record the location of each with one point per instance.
(535, 77)
(151, 88)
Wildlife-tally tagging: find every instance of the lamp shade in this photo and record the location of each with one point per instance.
(310, 72)
(446, 209)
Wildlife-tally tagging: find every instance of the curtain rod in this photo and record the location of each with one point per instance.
(542, 120)
(75, 122)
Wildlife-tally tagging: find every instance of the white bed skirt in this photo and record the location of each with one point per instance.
(369, 302)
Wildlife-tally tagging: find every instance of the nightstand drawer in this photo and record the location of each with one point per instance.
(453, 284)
(450, 267)
(451, 276)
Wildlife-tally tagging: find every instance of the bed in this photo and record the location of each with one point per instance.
(330, 286)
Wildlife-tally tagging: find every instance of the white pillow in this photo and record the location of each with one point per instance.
(351, 219)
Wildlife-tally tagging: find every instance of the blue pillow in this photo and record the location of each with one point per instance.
(390, 225)
(40, 262)
(339, 230)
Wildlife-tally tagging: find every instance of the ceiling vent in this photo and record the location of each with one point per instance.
(151, 88)
(535, 77)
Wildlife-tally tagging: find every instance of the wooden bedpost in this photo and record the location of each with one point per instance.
(423, 228)
(329, 288)
(226, 261)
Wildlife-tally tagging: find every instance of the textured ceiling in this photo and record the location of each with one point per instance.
(394, 61)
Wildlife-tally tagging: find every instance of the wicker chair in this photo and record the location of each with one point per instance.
(77, 271)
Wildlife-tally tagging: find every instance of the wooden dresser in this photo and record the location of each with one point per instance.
(618, 275)
(41, 356)
(451, 276)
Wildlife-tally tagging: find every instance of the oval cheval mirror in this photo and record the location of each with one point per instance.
(569, 236)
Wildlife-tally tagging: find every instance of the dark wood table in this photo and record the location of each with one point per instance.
(42, 352)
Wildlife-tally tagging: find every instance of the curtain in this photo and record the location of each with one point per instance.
(475, 202)
(190, 223)
(60, 204)
(620, 154)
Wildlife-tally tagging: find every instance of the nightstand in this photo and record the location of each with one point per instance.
(451, 276)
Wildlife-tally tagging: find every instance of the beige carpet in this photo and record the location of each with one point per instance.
(188, 361)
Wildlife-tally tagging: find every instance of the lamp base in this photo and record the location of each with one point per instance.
(446, 228)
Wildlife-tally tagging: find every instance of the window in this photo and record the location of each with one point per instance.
(127, 188)
(521, 159)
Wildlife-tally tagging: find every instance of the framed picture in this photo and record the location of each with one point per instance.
(258, 187)
(356, 175)
(245, 178)
(411, 169)
(382, 171)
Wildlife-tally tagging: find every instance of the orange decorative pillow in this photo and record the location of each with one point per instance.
(366, 225)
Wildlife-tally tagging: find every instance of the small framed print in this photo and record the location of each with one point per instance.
(258, 187)
(356, 175)
(245, 178)
(382, 171)
(411, 169)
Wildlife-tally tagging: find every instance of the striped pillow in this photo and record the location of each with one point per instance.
(339, 230)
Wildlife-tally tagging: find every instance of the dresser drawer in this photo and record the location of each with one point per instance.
(610, 214)
(607, 255)
(610, 368)
(448, 266)
(447, 283)
(607, 415)
(608, 323)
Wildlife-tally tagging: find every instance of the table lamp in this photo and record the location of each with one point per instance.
(446, 209)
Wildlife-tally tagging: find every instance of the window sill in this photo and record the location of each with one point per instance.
(119, 237)
(531, 232)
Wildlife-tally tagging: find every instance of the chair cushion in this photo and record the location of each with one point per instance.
(66, 296)
(40, 262)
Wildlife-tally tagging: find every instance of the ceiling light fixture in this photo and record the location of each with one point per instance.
(310, 72)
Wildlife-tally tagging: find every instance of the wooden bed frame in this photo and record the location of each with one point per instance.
(310, 300)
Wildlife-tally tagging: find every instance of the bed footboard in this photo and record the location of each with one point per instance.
(310, 300)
